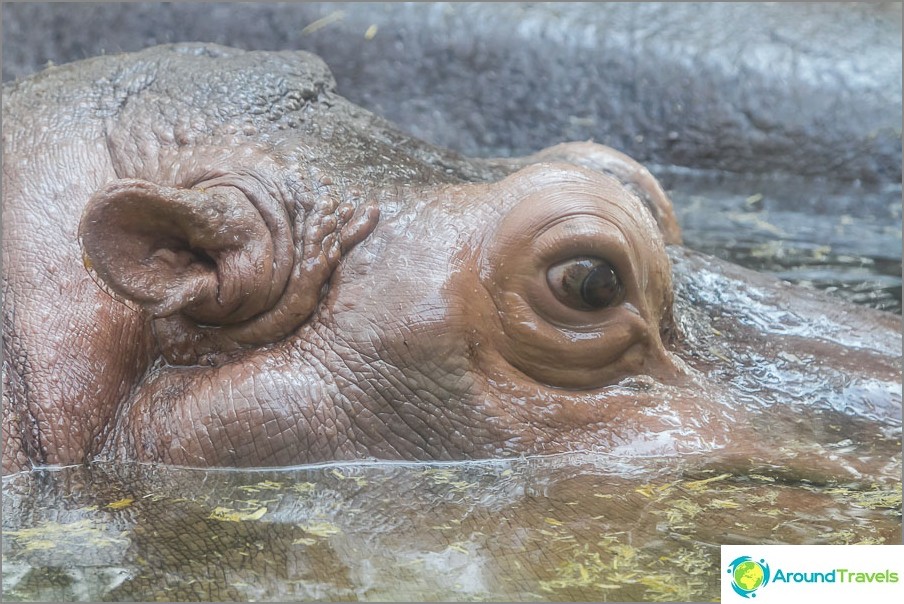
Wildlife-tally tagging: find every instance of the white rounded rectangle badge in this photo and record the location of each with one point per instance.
(765, 574)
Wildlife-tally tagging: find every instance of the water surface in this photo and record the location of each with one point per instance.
(568, 527)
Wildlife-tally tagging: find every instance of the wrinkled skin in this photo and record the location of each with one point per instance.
(212, 259)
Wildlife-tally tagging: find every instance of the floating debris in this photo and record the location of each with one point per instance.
(229, 515)
(120, 504)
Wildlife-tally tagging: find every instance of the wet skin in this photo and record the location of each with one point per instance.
(212, 259)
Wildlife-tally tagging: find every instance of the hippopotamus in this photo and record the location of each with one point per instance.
(211, 258)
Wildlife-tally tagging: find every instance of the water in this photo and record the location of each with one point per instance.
(842, 238)
(580, 527)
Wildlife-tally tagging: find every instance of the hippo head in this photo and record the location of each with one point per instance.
(429, 321)
(284, 278)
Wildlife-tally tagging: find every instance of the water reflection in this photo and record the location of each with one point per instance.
(569, 527)
(843, 238)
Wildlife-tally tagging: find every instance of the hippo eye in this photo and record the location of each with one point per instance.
(585, 283)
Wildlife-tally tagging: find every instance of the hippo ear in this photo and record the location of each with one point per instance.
(629, 172)
(204, 253)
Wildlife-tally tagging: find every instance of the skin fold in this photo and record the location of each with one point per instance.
(213, 259)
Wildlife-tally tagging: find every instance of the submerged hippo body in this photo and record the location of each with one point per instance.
(211, 258)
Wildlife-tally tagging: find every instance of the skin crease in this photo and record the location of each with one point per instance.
(213, 259)
(58, 348)
(484, 346)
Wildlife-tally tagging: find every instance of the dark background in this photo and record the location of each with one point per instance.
(808, 88)
(776, 127)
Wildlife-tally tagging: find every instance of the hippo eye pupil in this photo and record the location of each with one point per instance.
(601, 286)
(585, 283)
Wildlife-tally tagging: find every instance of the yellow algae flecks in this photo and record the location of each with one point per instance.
(333, 17)
(755, 221)
(39, 544)
(320, 529)
(622, 552)
(645, 490)
(304, 541)
(459, 486)
(586, 569)
(608, 540)
(552, 522)
(371, 32)
(669, 587)
(121, 503)
(870, 541)
(230, 515)
(692, 561)
(265, 485)
(443, 476)
(761, 477)
(872, 499)
(358, 479)
(688, 507)
(769, 497)
(723, 504)
(651, 490)
(442, 527)
(842, 537)
(821, 253)
(679, 511)
(52, 535)
(440, 474)
(753, 199)
(460, 547)
(566, 537)
(252, 505)
(303, 488)
(618, 565)
(696, 485)
(411, 562)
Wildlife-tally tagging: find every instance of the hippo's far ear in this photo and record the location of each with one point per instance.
(205, 253)
(631, 174)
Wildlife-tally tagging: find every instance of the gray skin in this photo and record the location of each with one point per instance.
(212, 259)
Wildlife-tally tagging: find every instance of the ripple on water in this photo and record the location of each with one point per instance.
(567, 527)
